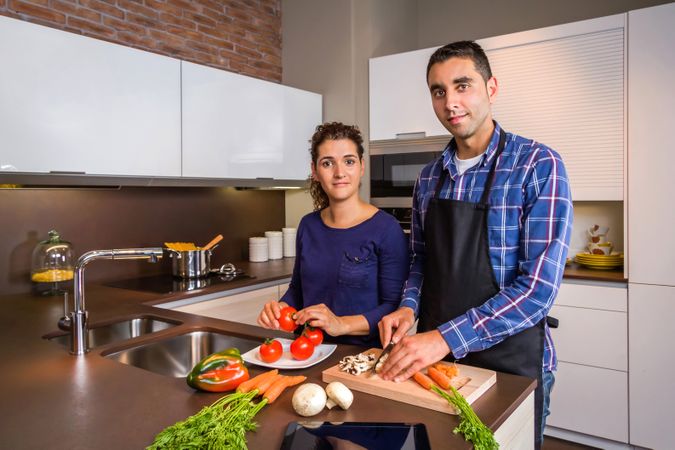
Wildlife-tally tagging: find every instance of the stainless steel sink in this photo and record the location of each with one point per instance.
(176, 356)
(121, 331)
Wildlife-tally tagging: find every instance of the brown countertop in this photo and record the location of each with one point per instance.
(51, 399)
(575, 271)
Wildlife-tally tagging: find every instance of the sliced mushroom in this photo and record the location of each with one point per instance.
(338, 394)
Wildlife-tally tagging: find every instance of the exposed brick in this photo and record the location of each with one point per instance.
(221, 44)
(135, 40)
(37, 11)
(142, 20)
(103, 8)
(164, 7)
(90, 27)
(170, 19)
(238, 35)
(121, 25)
(200, 19)
(137, 8)
(186, 34)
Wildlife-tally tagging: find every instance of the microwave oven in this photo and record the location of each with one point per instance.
(395, 166)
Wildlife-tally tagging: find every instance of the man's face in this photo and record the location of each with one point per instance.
(460, 97)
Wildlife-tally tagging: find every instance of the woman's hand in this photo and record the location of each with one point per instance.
(320, 316)
(269, 316)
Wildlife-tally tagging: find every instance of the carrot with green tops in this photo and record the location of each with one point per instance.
(264, 385)
(280, 385)
(423, 380)
(439, 377)
(254, 382)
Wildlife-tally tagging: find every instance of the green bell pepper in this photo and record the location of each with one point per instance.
(219, 372)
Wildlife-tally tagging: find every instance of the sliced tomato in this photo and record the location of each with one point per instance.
(302, 348)
(271, 350)
(287, 319)
(315, 335)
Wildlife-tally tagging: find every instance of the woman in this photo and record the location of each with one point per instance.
(352, 258)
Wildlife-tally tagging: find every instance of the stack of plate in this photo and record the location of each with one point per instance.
(604, 262)
(257, 249)
(275, 246)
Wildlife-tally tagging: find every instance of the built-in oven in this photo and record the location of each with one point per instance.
(394, 168)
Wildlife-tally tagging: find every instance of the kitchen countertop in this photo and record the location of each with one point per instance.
(51, 399)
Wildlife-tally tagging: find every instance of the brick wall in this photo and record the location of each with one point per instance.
(242, 36)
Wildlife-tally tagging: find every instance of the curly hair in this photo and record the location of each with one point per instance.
(330, 131)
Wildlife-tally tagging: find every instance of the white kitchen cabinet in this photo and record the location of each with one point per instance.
(242, 308)
(241, 127)
(652, 365)
(71, 103)
(590, 400)
(591, 389)
(399, 97)
(562, 86)
(651, 216)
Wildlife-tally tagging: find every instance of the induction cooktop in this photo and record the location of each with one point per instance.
(168, 284)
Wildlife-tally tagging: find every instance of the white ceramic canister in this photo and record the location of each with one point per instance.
(289, 241)
(275, 248)
(257, 249)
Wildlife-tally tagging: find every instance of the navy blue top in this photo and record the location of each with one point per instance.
(357, 270)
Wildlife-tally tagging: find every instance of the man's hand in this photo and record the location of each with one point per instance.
(269, 316)
(400, 320)
(414, 353)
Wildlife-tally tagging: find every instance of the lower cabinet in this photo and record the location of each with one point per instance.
(241, 308)
(652, 364)
(590, 395)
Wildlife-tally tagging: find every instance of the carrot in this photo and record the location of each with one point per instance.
(439, 377)
(450, 370)
(253, 383)
(423, 380)
(278, 387)
(264, 385)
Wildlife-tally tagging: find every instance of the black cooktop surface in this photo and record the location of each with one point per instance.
(168, 284)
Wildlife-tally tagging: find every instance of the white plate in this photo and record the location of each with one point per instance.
(287, 361)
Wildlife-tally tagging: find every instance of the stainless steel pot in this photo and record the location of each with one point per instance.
(190, 263)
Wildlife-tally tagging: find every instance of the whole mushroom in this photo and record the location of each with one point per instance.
(309, 399)
(338, 394)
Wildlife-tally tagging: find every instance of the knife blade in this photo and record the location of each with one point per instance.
(387, 349)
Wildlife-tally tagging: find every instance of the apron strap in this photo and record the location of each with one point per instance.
(488, 185)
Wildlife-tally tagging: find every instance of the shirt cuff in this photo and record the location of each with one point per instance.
(410, 303)
(460, 336)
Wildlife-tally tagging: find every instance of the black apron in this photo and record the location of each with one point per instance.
(458, 276)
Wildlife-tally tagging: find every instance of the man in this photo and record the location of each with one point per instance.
(491, 225)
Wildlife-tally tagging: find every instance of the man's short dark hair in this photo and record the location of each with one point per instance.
(463, 49)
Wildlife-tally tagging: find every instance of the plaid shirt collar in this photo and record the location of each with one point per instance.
(450, 150)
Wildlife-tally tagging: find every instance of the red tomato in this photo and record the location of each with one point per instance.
(302, 348)
(287, 320)
(315, 335)
(271, 350)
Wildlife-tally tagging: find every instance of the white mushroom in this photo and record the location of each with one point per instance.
(338, 394)
(309, 399)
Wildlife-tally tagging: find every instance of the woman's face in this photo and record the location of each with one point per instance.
(338, 169)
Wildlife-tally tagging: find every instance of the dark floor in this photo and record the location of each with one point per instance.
(551, 443)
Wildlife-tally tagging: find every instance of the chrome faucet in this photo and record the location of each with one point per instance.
(76, 321)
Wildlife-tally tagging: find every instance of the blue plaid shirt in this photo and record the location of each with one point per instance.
(529, 228)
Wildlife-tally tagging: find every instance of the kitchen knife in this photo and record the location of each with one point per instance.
(387, 349)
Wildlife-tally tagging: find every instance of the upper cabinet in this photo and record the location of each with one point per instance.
(75, 104)
(562, 86)
(650, 157)
(241, 127)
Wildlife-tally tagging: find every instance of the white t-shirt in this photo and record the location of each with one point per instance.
(465, 164)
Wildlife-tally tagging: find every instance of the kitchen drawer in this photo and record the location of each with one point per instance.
(590, 400)
(241, 308)
(609, 298)
(591, 337)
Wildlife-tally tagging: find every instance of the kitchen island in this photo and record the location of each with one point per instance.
(51, 399)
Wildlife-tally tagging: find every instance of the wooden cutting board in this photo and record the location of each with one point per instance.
(409, 391)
